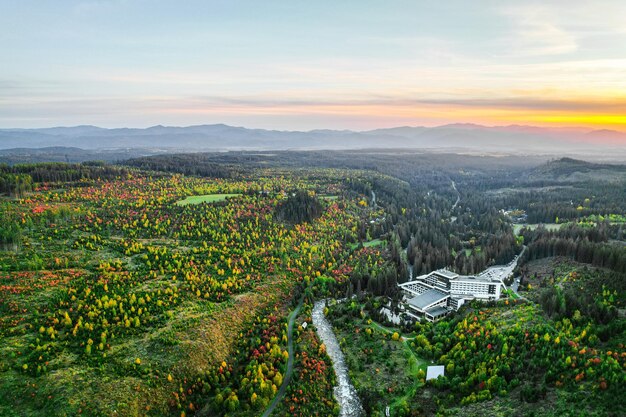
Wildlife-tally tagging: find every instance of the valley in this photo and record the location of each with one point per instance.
(162, 286)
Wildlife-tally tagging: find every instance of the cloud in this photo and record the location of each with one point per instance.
(527, 103)
(288, 103)
(535, 31)
(298, 113)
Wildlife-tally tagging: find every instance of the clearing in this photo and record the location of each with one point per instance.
(549, 226)
(207, 198)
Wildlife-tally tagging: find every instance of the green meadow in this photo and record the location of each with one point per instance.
(207, 198)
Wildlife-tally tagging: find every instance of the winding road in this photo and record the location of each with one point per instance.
(458, 198)
(288, 374)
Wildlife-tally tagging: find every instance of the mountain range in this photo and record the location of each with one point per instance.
(513, 139)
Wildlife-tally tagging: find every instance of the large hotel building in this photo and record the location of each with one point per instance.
(434, 295)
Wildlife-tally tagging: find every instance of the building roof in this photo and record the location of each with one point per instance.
(427, 298)
(472, 278)
(446, 273)
(432, 372)
(437, 311)
(415, 287)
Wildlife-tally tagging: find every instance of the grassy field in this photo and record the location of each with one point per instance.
(371, 243)
(375, 242)
(550, 226)
(208, 198)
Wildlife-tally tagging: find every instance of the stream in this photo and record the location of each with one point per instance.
(345, 393)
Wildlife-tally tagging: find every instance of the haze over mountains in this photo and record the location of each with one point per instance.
(603, 144)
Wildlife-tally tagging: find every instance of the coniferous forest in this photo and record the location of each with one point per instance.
(181, 285)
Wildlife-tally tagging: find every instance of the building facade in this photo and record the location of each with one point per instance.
(434, 295)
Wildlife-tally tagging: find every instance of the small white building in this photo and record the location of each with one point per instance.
(433, 372)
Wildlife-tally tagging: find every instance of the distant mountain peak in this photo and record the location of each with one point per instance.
(463, 126)
(607, 136)
(568, 160)
(605, 132)
(518, 139)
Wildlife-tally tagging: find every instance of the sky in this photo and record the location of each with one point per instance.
(300, 65)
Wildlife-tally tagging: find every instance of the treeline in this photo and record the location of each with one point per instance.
(197, 164)
(582, 244)
(19, 179)
(423, 171)
(62, 172)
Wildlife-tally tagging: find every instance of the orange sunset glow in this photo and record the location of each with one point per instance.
(315, 67)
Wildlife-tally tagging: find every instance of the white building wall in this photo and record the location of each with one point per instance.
(477, 289)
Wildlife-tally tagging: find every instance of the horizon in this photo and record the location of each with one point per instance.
(289, 208)
(469, 125)
(349, 66)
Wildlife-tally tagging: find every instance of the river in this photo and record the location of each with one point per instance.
(345, 393)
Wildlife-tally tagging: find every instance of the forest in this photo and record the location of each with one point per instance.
(117, 298)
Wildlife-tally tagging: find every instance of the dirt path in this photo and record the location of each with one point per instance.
(288, 374)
